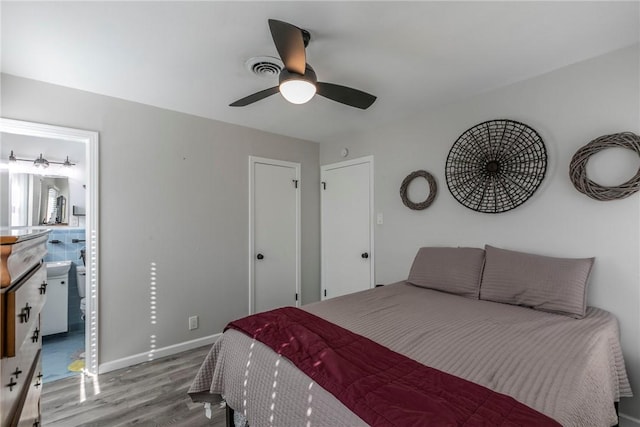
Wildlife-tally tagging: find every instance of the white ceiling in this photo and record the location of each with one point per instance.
(189, 56)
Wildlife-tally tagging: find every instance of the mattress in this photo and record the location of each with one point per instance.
(571, 370)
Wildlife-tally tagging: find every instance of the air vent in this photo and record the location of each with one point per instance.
(264, 66)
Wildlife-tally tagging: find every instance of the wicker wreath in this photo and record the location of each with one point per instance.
(433, 190)
(578, 167)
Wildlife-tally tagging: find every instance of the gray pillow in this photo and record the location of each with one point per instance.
(557, 285)
(454, 270)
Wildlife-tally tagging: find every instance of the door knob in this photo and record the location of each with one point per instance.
(260, 256)
(365, 255)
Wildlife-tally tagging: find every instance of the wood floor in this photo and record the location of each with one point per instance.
(150, 394)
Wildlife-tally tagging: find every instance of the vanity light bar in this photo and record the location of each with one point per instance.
(41, 161)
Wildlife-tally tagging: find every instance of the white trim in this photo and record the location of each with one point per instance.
(627, 421)
(90, 138)
(296, 166)
(372, 252)
(251, 240)
(135, 359)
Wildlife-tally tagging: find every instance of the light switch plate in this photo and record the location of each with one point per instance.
(193, 323)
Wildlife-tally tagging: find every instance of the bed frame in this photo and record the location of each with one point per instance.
(229, 412)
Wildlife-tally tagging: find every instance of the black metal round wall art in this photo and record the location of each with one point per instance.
(496, 166)
(433, 190)
(578, 167)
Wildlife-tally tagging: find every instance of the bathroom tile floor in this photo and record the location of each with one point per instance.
(58, 352)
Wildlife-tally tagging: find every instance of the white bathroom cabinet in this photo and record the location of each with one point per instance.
(55, 312)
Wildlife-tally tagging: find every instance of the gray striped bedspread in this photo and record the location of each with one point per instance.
(571, 370)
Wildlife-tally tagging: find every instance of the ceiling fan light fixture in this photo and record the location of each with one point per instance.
(297, 91)
(297, 88)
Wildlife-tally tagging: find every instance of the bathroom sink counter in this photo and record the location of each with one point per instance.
(18, 249)
(16, 235)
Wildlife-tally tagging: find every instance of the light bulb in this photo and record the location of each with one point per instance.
(297, 91)
(41, 162)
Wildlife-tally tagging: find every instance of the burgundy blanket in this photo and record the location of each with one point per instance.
(382, 387)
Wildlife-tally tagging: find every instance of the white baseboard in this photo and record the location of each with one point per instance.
(125, 362)
(627, 421)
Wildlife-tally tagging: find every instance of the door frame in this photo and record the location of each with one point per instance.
(90, 139)
(253, 160)
(372, 252)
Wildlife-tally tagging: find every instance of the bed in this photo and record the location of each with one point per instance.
(508, 321)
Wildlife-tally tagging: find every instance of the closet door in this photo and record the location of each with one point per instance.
(274, 234)
(347, 231)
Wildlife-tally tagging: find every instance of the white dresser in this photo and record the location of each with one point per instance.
(23, 286)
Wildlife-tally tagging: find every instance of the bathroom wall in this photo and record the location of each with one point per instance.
(66, 249)
(4, 198)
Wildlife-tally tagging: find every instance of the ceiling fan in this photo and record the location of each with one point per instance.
(298, 82)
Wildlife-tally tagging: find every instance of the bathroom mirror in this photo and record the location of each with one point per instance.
(32, 196)
(37, 200)
(50, 139)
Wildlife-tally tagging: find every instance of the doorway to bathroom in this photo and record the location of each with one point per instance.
(69, 336)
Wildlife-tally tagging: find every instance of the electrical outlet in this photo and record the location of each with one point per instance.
(193, 323)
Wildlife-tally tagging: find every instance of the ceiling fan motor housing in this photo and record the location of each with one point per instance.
(309, 75)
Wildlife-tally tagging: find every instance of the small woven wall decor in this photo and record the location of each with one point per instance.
(578, 167)
(496, 166)
(433, 190)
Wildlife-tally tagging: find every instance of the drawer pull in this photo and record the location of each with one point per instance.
(39, 377)
(25, 313)
(17, 372)
(43, 288)
(12, 384)
(35, 336)
(36, 423)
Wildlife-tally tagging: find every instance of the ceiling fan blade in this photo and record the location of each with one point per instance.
(345, 95)
(290, 44)
(255, 97)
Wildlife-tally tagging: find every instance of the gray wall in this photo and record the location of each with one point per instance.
(173, 191)
(568, 107)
